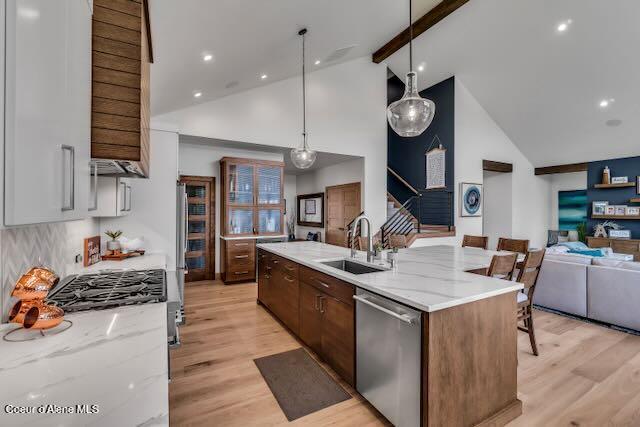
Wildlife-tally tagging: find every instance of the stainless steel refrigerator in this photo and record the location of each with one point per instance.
(182, 230)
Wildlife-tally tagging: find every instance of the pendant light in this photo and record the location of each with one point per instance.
(303, 157)
(411, 115)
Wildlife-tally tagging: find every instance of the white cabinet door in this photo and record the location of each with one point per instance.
(47, 110)
(114, 197)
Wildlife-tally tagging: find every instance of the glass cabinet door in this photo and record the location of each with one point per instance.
(240, 221)
(269, 181)
(240, 184)
(269, 221)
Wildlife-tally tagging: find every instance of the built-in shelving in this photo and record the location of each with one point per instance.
(634, 217)
(636, 200)
(621, 185)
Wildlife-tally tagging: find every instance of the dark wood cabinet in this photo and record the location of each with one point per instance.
(316, 307)
(238, 260)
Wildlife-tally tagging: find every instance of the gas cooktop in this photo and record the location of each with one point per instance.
(109, 289)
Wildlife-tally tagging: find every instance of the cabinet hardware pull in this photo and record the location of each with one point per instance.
(288, 279)
(242, 256)
(275, 261)
(321, 305)
(241, 244)
(268, 268)
(323, 284)
(72, 173)
(289, 268)
(266, 276)
(238, 273)
(317, 297)
(95, 187)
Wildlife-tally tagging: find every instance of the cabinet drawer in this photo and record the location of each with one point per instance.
(595, 242)
(330, 285)
(625, 247)
(287, 267)
(241, 246)
(237, 273)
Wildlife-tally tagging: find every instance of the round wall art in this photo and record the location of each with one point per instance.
(470, 199)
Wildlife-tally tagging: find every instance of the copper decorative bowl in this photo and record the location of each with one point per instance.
(42, 316)
(44, 274)
(31, 287)
(19, 309)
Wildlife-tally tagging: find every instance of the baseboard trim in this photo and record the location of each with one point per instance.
(504, 417)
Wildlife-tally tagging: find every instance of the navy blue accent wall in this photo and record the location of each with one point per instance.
(629, 167)
(407, 155)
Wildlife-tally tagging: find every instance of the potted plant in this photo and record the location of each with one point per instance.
(113, 245)
(582, 232)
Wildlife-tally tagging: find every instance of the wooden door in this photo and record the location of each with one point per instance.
(310, 317)
(338, 336)
(343, 206)
(200, 259)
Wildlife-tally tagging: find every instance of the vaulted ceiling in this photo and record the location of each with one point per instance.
(251, 38)
(541, 81)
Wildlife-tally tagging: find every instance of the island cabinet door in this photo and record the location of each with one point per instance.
(310, 317)
(338, 337)
(264, 278)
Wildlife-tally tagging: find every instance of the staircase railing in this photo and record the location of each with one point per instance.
(402, 221)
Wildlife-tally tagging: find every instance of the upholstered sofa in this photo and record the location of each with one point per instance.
(601, 289)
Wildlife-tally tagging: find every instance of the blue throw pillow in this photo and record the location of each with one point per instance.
(588, 252)
(575, 246)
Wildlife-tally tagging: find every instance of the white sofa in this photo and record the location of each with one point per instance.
(596, 288)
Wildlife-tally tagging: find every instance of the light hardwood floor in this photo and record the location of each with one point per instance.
(586, 375)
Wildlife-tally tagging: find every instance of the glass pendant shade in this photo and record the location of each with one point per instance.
(303, 157)
(412, 114)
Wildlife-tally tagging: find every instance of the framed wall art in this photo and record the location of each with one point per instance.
(471, 199)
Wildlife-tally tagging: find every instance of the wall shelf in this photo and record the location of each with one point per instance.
(631, 217)
(636, 200)
(622, 185)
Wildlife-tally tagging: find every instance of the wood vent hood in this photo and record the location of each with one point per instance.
(120, 110)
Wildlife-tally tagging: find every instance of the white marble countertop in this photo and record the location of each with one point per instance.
(429, 278)
(116, 359)
(253, 237)
(142, 262)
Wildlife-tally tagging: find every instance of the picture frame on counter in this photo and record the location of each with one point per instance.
(610, 210)
(620, 234)
(638, 184)
(599, 208)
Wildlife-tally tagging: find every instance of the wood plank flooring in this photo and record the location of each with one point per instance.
(586, 375)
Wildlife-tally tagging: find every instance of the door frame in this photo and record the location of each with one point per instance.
(326, 203)
(210, 274)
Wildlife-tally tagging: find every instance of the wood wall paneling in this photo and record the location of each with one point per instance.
(124, 6)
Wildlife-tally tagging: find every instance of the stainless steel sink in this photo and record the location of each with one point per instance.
(353, 267)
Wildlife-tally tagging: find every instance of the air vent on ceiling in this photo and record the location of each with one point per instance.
(231, 84)
(340, 53)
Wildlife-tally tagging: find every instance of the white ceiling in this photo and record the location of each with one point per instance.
(249, 38)
(543, 87)
(323, 159)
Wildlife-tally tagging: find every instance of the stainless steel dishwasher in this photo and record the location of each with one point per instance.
(388, 357)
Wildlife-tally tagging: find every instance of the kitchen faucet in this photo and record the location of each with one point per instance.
(369, 237)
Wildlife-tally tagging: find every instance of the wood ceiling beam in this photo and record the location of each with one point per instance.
(574, 167)
(431, 18)
(491, 166)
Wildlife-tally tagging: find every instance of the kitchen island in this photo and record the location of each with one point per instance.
(115, 359)
(467, 342)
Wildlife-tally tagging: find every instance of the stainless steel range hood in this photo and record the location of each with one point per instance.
(118, 168)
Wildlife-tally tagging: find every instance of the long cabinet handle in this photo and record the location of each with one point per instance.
(322, 283)
(289, 268)
(238, 273)
(241, 256)
(402, 317)
(240, 244)
(321, 305)
(317, 299)
(72, 172)
(124, 197)
(95, 186)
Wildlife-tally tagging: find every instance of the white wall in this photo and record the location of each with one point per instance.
(478, 137)
(563, 182)
(290, 193)
(497, 215)
(202, 158)
(318, 180)
(153, 201)
(346, 114)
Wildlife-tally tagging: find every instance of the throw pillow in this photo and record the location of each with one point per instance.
(588, 252)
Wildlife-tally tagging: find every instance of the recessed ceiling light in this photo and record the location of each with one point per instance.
(207, 57)
(606, 102)
(317, 62)
(197, 94)
(264, 76)
(564, 26)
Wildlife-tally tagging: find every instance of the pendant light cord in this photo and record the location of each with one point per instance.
(304, 95)
(410, 37)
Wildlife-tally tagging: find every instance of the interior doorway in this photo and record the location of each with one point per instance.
(497, 216)
(200, 252)
(343, 206)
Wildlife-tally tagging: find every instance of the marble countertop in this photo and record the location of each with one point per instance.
(116, 359)
(429, 278)
(254, 237)
(142, 262)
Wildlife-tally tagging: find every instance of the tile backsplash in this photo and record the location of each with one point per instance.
(53, 245)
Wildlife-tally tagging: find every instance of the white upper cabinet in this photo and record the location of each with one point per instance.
(113, 197)
(47, 110)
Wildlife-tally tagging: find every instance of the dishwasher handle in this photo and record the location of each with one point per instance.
(402, 317)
